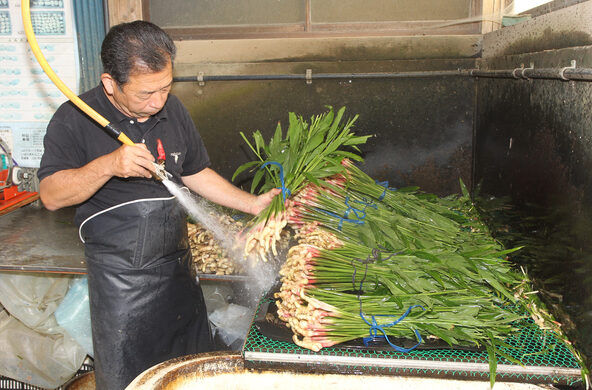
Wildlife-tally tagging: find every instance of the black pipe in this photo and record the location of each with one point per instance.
(504, 74)
(321, 76)
(567, 73)
(581, 74)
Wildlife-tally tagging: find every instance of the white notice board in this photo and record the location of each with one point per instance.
(28, 98)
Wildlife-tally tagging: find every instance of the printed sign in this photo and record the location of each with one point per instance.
(28, 98)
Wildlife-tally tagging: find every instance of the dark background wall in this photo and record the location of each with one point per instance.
(533, 145)
(537, 153)
(422, 127)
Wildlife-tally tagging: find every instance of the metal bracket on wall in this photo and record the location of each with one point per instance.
(200, 79)
(562, 70)
(522, 74)
(308, 76)
(516, 70)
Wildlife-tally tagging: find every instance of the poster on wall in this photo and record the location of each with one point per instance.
(28, 98)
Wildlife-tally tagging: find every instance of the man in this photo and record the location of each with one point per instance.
(145, 306)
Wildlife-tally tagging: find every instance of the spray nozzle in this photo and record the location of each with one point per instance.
(159, 166)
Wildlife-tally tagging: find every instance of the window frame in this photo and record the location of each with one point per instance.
(308, 29)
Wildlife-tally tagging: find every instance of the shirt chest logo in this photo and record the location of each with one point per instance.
(176, 156)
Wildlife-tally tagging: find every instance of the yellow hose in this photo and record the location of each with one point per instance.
(26, 15)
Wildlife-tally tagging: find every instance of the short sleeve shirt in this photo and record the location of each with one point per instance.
(73, 140)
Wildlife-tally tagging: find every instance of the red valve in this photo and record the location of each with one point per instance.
(160, 150)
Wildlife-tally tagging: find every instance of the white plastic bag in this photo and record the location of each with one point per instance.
(32, 298)
(232, 324)
(216, 296)
(35, 349)
(41, 359)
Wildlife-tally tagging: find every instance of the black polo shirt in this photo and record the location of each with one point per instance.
(73, 140)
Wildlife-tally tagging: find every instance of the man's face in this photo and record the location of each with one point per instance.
(143, 95)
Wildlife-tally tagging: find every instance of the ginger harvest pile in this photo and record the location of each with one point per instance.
(374, 262)
(208, 255)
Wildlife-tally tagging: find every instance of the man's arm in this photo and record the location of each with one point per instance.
(214, 187)
(73, 186)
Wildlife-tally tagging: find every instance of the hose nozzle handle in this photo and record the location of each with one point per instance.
(160, 150)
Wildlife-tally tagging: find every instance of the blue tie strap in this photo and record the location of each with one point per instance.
(285, 192)
(384, 184)
(359, 213)
(341, 219)
(375, 328)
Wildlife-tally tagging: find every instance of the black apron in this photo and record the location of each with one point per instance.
(145, 305)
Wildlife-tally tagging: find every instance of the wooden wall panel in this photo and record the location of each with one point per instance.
(490, 12)
(124, 11)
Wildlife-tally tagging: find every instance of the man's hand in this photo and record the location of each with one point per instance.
(263, 200)
(132, 161)
(73, 186)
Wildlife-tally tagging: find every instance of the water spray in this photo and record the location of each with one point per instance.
(262, 274)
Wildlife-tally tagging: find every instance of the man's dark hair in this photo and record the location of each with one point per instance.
(135, 46)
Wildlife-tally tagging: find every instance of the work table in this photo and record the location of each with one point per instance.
(34, 239)
(38, 240)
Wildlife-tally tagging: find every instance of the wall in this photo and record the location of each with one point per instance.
(534, 145)
(423, 126)
(120, 11)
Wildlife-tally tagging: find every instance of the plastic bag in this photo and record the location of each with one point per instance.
(229, 322)
(35, 349)
(73, 314)
(232, 324)
(216, 296)
(32, 298)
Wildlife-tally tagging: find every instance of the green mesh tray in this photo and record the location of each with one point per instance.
(545, 358)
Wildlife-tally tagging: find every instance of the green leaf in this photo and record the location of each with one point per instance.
(495, 284)
(325, 120)
(335, 125)
(393, 288)
(259, 141)
(277, 137)
(346, 154)
(314, 142)
(326, 171)
(427, 256)
(357, 140)
(256, 179)
(275, 145)
(244, 167)
(492, 363)
(313, 179)
(436, 277)
(294, 135)
(445, 335)
(366, 236)
(250, 145)
(464, 189)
